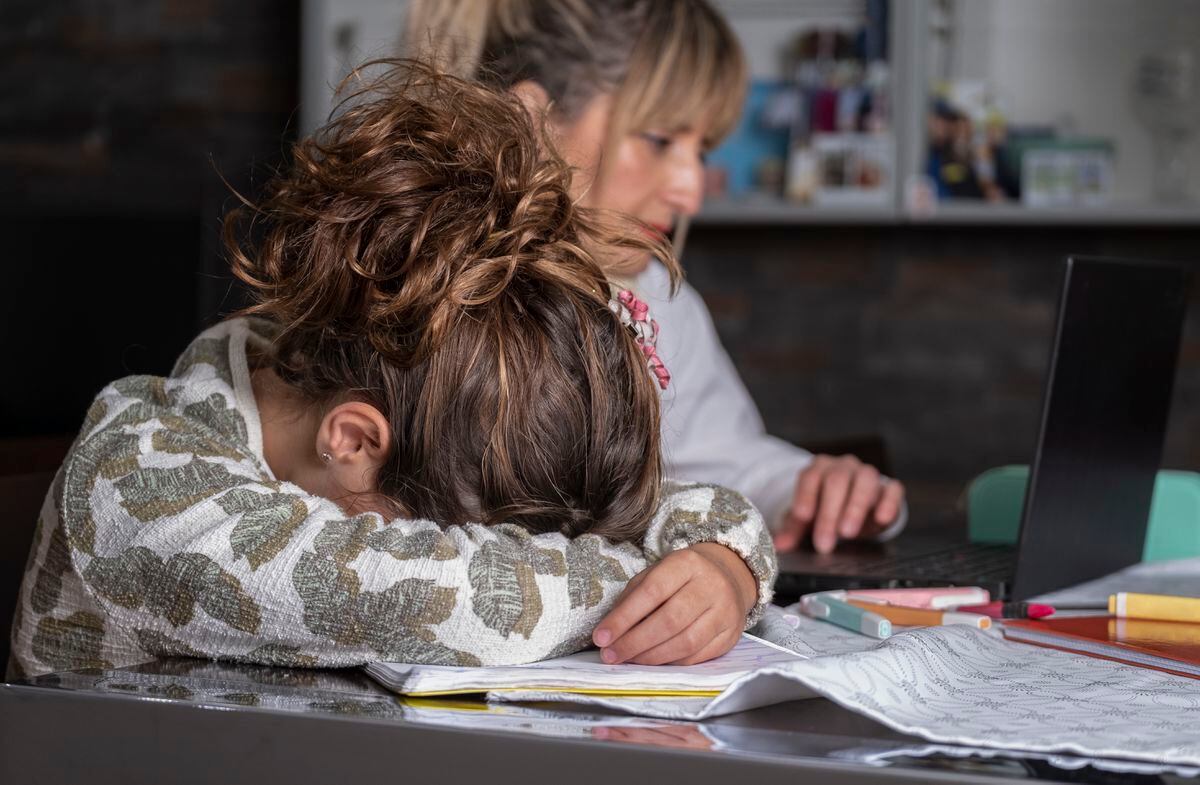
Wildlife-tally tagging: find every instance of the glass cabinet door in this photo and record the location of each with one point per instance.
(978, 111)
(1071, 109)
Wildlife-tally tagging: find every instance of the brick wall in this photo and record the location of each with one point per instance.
(129, 106)
(935, 338)
(117, 122)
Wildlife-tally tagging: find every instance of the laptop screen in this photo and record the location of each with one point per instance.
(1104, 420)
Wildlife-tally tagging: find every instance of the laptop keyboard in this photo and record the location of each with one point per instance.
(958, 561)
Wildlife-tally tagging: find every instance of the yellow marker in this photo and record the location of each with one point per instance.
(1152, 631)
(1162, 607)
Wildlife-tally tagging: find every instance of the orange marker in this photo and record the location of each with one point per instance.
(899, 614)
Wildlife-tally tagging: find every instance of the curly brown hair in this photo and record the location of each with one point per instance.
(424, 254)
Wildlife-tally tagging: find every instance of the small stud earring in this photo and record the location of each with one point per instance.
(326, 457)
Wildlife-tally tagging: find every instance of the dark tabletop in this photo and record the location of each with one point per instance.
(184, 721)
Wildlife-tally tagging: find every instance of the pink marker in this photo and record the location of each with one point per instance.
(1010, 610)
(938, 598)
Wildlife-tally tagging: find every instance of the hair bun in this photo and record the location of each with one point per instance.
(424, 254)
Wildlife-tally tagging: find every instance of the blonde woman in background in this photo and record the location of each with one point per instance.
(637, 92)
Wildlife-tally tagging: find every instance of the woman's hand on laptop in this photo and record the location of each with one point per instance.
(839, 498)
(689, 607)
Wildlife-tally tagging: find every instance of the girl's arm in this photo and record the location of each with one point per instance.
(191, 548)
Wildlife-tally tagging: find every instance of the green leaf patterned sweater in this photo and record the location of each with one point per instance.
(165, 533)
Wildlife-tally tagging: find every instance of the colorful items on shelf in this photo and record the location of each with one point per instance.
(823, 136)
(974, 153)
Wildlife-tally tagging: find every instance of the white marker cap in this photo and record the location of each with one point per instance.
(977, 620)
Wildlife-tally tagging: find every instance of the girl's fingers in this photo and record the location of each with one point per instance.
(654, 586)
(715, 648)
(671, 618)
(634, 582)
(686, 643)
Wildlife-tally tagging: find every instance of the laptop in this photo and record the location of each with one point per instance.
(1104, 416)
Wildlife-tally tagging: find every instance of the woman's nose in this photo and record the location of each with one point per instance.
(685, 186)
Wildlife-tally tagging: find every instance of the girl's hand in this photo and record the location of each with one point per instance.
(687, 608)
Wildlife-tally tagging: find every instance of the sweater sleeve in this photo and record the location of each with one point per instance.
(698, 512)
(191, 548)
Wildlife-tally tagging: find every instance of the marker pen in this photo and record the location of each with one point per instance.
(834, 610)
(934, 597)
(923, 617)
(1009, 610)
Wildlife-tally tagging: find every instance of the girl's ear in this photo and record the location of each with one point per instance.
(533, 96)
(354, 440)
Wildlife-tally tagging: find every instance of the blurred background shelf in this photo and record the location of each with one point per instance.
(1018, 214)
(762, 210)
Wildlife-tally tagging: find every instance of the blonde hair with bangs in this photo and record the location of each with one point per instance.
(686, 71)
(670, 65)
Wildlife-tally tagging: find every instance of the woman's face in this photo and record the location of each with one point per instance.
(656, 175)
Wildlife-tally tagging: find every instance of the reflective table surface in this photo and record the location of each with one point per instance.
(198, 721)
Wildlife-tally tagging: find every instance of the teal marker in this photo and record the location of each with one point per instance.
(843, 614)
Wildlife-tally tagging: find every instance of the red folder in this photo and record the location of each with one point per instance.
(1170, 646)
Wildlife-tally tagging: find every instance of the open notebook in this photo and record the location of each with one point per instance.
(585, 673)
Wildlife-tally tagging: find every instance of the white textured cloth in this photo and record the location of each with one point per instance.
(165, 533)
(959, 685)
(712, 430)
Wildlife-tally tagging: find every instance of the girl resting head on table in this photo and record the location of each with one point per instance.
(636, 92)
(434, 438)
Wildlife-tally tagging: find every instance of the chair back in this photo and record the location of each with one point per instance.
(21, 497)
(996, 498)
